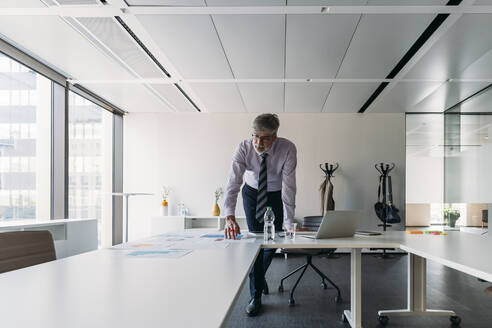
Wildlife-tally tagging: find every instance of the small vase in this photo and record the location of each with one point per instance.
(164, 208)
(216, 210)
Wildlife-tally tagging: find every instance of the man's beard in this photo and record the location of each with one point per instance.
(260, 151)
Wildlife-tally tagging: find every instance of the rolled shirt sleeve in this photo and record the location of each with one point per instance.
(235, 180)
(289, 186)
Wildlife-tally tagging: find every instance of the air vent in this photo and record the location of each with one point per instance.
(107, 31)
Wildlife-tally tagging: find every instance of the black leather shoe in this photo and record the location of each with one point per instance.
(265, 289)
(253, 307)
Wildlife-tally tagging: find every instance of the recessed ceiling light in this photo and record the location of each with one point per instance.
(325, 10)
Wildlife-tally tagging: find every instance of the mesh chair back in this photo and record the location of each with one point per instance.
(20, 249)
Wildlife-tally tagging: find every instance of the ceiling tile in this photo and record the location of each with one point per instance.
(233, 3)
(348, 97)
(130, 97)
(191, 44)
(45, 36)
(305, 97)
(481, 103)
(316, 44)
(219, 97)
(380, 42)
(463, 44)
(254, 44)
(174, 96)
(21, 4)
(263, 97)
(447, 95)
(190, 3)
(404, 96)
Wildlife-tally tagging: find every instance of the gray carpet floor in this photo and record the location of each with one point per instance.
(383, 287)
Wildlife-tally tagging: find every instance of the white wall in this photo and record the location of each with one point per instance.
(192, 152)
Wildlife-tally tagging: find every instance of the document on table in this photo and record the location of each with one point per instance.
(168, 254)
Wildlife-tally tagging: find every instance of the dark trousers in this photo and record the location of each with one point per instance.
(265, 256)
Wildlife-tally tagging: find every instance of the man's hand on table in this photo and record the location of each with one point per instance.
(231, 229)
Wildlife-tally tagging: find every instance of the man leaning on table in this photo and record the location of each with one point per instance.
(268, 165)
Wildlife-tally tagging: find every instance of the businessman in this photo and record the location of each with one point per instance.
(267, 164)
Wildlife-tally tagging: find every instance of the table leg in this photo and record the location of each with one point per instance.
(354, 315)
(416, 294)
(126, 217)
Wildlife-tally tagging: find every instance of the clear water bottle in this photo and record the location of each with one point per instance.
(269, 227)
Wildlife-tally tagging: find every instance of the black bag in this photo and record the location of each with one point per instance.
(392, 215)
(379, 206)
(386, 211)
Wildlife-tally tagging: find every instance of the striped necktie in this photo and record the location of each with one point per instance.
(261, 198)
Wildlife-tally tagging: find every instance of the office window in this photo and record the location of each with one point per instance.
(90, 164)
(25, 142)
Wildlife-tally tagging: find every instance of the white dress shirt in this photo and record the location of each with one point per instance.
(281, 174)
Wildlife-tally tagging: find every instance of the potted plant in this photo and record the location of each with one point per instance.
(165, 191)
(218, 193)
(451, 216)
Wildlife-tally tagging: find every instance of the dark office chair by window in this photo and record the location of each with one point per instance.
(20, 249)
(312, 223)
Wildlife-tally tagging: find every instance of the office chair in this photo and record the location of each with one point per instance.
(20, 249)
(312, 223)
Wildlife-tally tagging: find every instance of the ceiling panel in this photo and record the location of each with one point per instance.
(174, 96)
(380, 42)
(165, 2)
(407, 2)
(131, 97)
(232, 3)
(263, 97)
(21, 4)
(191, 44)
(481, 103)
(404, 96)
(363, 2)
(464, 43)
(219, 97)
(54, 41)
(479, 69)
(316, 44)
(78, 2)
(447, 95)
(348, 97)
(305, 97)
(254, 44)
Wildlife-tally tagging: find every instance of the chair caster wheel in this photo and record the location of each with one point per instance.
(344, 318)
(338, 299)
(383, 320)
(323, 285)
(292, 302)
(455, 320)
(280, 289)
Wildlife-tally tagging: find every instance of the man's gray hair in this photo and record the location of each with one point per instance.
(266, 123)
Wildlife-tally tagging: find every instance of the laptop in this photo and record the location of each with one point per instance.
(337, 224)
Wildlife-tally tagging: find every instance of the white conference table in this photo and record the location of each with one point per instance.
(105, 289)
